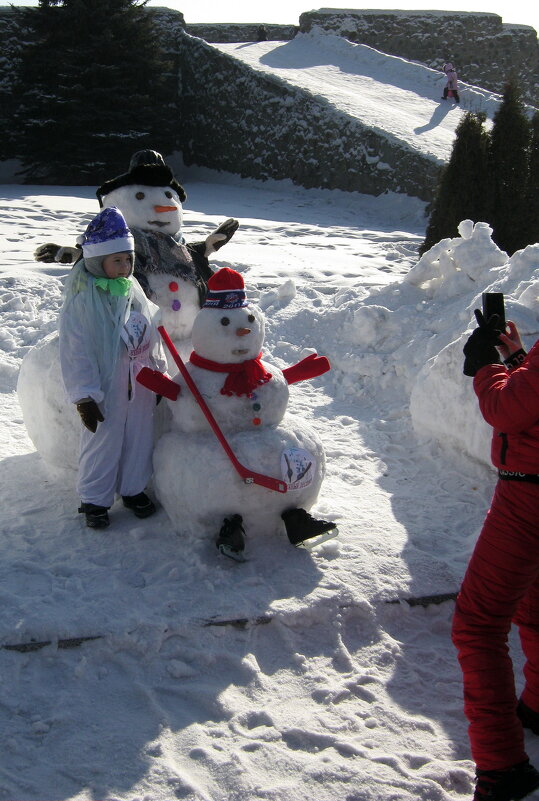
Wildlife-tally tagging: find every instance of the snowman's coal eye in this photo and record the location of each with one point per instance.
(140, 196)
(225, 321)
(168, 194)
(251, 318)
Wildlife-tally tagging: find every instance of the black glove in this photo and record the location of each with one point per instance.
(46, 253)
(480, 349)
(228, 228)
(90, 414)
(51, 253)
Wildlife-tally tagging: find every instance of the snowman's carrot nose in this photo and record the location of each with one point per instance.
(240, 332)
(161, 209)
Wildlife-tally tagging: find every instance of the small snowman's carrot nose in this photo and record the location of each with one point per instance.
(162, 209)
(241, 332)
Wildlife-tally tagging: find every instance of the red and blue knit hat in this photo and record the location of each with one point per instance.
(226, 290)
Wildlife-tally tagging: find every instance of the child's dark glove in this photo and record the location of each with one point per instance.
(480, 349)
(90, 414)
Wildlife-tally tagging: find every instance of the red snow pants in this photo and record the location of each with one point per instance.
(501, 586)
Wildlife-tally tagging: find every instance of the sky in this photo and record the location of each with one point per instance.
(522, 12)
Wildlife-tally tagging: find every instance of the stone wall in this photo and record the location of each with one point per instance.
(241, 32)
(485, 51)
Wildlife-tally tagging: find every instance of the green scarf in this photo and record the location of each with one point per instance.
(116, 286)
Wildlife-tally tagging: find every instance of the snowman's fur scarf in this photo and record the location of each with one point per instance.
(157, 252)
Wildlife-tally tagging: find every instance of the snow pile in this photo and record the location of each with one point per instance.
(407, 337)
(319, 688)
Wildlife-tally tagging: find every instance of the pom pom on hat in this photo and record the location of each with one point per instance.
(107, 233)
(225, 290)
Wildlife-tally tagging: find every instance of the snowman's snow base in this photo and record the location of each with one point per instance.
(51, 421)
(198, 486)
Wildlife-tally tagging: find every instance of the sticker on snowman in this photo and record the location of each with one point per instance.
(298, 467)
(136, 334)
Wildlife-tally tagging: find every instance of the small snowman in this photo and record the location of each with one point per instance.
(193, 477)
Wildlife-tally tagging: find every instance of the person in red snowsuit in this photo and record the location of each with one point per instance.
(501, 584)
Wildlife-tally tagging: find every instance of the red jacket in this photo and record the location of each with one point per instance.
(509, 402)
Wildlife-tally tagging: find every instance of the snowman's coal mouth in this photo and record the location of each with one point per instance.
(159, 223)
(240, 351)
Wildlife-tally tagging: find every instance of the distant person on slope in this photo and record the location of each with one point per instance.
(452, 83)
(501, 584)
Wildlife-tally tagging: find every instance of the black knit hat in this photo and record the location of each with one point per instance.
(147, 167)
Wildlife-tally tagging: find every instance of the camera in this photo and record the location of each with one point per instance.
(493, 304)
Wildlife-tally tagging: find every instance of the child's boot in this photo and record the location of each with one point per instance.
(96, 516)
(140, 504)
(506, 785)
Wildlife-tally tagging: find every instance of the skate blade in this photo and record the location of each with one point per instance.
(312, 542)
(237, 556)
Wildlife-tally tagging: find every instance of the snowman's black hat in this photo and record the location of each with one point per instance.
(148, 168)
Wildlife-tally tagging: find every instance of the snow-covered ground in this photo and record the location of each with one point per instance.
(321, 689)
(328, 691)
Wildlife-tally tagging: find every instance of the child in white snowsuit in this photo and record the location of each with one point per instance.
(452, 82)
(106, 337)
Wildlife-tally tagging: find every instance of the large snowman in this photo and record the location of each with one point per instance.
(172, 273)
(194, 478)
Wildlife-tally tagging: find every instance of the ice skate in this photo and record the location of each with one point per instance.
(231, 539)
(304, 531)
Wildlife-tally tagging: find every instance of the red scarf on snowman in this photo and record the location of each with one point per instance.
(226, 291)
(243, 377)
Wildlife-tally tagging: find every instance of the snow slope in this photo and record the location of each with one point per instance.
(389, 94)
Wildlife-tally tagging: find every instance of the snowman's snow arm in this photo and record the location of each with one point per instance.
(158, 383)
(310, 367)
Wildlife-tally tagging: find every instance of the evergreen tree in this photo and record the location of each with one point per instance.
(532, 195)
(509, 163)
(462, 191)
(94, 87)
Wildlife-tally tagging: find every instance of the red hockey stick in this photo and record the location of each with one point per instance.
(249, 476)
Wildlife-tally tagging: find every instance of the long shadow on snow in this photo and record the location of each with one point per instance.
(158, 667)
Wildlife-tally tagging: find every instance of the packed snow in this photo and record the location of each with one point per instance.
(170, 672)
(323, 689)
